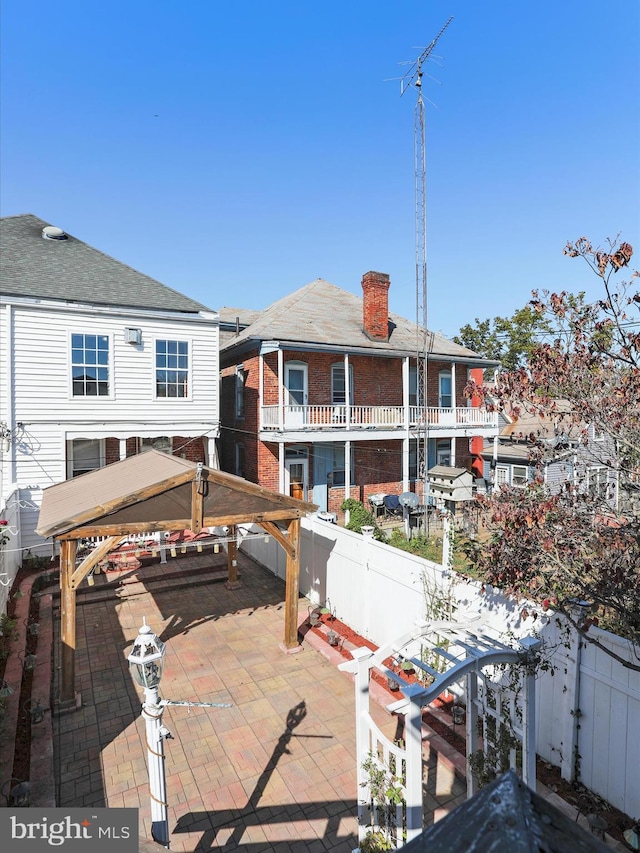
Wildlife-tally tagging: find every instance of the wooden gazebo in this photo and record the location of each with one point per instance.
(156, 492)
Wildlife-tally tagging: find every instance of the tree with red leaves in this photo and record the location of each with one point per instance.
(579, 543)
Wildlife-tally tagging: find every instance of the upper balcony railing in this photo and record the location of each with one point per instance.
(309, 418)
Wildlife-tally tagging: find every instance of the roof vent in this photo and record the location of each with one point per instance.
(53, 233)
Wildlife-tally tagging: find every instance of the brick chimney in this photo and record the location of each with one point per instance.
(375, 305)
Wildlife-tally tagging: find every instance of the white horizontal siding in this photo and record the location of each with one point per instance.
(42, 370)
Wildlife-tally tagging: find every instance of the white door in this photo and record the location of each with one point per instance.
(296, 393)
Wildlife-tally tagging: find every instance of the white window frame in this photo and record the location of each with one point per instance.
(501, 476)
(304, 368)
(72, 452)
(524, 476)
(445, 374)
(597, 480)
(177, 340)
(443, 452)
(239, 391)
(110, 369)
(332, 474)
(341, 398)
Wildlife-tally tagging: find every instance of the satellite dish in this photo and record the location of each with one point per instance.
(409, 499)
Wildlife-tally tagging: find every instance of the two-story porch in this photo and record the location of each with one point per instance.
(320, 397)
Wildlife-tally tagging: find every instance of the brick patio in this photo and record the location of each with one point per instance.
(276, 771)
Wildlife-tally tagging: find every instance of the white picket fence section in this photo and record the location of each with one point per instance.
(588, 708)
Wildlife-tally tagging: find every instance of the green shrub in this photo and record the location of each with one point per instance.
(359, 517)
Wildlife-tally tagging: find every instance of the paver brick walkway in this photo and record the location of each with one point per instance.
(275, 772)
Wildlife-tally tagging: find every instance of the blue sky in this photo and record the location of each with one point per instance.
(237, 151)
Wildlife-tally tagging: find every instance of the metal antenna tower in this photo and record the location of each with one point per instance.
(413, 78)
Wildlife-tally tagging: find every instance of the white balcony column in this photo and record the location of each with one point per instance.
(211, 452)
(281, 395)
(405, 393)
(123, 448)
(453, 453)
(261, 388)
(454, 399)
(281, 485)
(347, 393)
(347, 469)
(405, 464)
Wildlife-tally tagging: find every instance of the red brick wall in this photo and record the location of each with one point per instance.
(242, 430)
(187, 448)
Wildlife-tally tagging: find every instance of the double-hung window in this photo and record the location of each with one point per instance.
(172, 368)
(338, 472)
(240, 380)
(519, 475)
(84, 455)
(338, 385)
(445, 390)
(90, 365)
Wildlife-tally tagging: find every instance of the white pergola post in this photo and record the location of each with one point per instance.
(413, 747)
(472, 726)
(530, 645)
(362, 657)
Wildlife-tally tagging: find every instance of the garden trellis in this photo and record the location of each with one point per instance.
(465, 655)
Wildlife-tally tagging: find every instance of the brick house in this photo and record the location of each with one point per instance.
(319, 400)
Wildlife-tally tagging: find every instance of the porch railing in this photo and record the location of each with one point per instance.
(308, 418)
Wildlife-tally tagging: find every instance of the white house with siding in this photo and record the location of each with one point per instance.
(565, 453)
(97, 363)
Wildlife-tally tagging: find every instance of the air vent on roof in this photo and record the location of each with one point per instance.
(50, 232)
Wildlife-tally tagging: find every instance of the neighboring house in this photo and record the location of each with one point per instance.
(319, 397)
(97, 363)
(562, 455)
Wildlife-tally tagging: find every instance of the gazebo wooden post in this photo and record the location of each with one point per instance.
(68, 548)
(232, 559)
(292, 591)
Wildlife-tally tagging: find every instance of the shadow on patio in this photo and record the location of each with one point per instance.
(234, 776)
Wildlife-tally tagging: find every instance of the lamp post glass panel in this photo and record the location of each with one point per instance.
(146, 663)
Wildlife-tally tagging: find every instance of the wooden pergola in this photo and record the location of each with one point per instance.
(155, 492)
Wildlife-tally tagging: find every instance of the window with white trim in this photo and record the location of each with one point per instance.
(240, 381)
(84, 455)
(172, 368)
(445, 396)
(338, 387)
(598, 480)
(519, 475)
(501, 477)
(90, 365)
(443, 452)
(338, 473)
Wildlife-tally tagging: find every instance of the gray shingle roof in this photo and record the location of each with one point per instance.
(325, 315)
(72, 271)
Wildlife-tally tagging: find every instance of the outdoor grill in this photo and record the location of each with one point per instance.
(377, 503)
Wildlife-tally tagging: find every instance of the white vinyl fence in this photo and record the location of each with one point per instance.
(10, 552)
(588, 709)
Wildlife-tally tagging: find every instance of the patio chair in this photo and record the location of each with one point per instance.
(392, 506)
